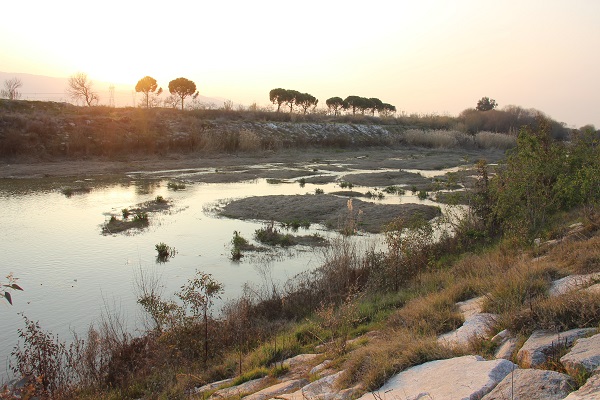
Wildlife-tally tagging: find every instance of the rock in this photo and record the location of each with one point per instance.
(507, 344)
(240, 390)
(584, 356)
(467, 377)
(506, 349)
(299, 360)
(317, 370)
(572, 282)
(471, 307)
(212, 386)
(279, 389)
(589, 391)
(542, 344)
(532, 384)
(477, 326)
(323, 389)
(501, 337)
(594, 289)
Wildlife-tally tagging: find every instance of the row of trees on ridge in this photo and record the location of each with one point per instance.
(335, 105)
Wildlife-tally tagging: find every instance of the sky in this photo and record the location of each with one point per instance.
(425, 56)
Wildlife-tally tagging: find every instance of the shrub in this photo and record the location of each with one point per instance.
(176, 185)
(164, 252)
(271, 235)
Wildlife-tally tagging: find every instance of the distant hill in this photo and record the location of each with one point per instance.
(47, 88)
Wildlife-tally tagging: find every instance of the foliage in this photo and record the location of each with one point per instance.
(271, 235)
(10, 285)
(183, 88)
(198, 296)
(164, 251)
(239, 243)
(176, 185)
(47, 363)
(278, 96)
(540, 177)
(335, 105)
(147, 85)
(486, 104)
(80, 88)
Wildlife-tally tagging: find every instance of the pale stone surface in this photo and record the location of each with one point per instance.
(468, 308)
(477, 326)
(501, 336)
(585, 355)
(532, 384)
(240, 390)
(467, 377)
(318, 369)
(323, 389)
(301, 359)
(278, 389)
(595, 289)
(541, 344)
(506, 349)
(572, 282)
(212, 386)
(589, 391)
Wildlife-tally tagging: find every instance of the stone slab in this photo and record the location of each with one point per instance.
(467, 377)
(542, 344)
(532, 384)
(583, 356)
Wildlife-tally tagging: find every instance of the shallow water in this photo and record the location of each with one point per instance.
(72, 273)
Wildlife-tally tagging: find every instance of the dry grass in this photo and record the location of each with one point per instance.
(376, 362)
(492, 140)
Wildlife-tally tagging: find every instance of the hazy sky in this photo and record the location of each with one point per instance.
(422, 56)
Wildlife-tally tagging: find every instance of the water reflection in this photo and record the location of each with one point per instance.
(70, 271)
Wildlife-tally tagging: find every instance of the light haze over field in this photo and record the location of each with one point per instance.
(421, 56)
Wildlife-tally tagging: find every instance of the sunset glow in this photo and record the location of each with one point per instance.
(425, 57)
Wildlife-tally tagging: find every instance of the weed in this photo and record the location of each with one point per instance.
(239, 243)
(394, 190)
(126, 213)
(160, 200)
(273, 181)
(302, 182)
(319, 191)
(176, 185)
(164, 252)
(296, 224)
(344, 185)
(422, 195)
(271, 235)
(141, 217)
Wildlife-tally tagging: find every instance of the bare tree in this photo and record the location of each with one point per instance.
(80, 88)
(11, 87)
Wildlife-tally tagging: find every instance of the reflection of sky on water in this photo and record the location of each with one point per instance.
(71, 273)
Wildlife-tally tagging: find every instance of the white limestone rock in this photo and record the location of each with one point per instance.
(571, 283)
(506, 349)
(589, 391)
(477, 326)
(532, 384)
(323, 389)
(584, 356)
(467, 377)
(542, 344)
(471, 307)
(278, 389)
(240, 390)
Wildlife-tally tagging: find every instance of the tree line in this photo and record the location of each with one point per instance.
(290, 98)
